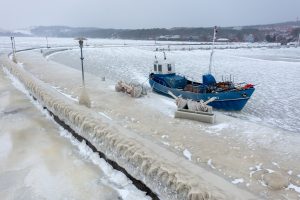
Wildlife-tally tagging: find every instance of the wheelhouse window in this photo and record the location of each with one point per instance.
(169, 67)
(160, 68)
(155, 67)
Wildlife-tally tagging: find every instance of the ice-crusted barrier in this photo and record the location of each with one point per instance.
(176, 179)
(113, 178)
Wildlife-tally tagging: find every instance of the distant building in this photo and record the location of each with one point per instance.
(249, 38)
(292, 44)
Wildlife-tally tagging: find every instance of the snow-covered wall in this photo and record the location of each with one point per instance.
(165, 173)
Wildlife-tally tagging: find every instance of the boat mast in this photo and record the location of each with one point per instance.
(212, 49)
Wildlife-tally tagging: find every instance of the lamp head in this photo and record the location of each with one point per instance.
(80, 40)
(81, 43)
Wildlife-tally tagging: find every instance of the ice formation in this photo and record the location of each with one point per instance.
(144, 160)
(84, 98)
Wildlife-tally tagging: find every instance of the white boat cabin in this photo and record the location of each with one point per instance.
(163, 67)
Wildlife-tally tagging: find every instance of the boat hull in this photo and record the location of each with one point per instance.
(233, 100)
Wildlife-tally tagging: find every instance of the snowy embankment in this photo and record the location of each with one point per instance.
(165, 173)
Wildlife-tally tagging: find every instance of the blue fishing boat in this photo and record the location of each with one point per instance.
(229, 95)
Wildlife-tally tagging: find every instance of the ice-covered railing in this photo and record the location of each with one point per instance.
(170, 176)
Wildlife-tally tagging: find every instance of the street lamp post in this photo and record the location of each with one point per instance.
(12, 44)
(81, 58)
(84, 98)
(13, 47)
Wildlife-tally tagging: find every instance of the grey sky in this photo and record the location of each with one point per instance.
(145, 13)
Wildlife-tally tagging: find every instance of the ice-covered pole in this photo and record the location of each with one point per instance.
(14, 42)
(81, 58)
(212, 50)
(84, 98)
(13, 47)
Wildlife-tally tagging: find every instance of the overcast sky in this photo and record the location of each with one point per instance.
(145, 13)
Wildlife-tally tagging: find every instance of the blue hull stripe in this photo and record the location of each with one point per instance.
(230, 100)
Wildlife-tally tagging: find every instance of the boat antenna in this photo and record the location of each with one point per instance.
(165, 58)
(212, 49)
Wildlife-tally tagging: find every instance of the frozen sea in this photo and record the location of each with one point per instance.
(275, 73)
